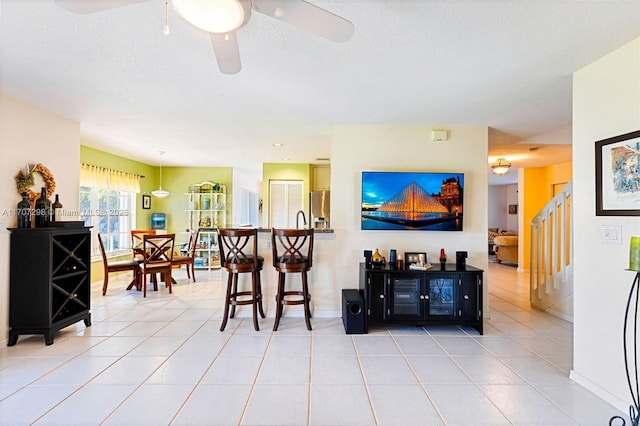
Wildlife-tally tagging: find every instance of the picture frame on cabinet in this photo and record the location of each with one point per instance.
(618, 175)
(146, 202)
(414, 257)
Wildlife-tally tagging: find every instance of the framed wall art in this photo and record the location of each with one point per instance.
(412, 201)
(146, 202)
(618, 175)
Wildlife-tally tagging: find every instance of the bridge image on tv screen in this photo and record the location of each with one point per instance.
(425, 201)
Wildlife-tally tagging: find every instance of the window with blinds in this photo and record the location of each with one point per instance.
(107, 204)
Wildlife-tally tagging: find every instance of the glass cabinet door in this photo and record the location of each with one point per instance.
(441, 296)
(404, 294)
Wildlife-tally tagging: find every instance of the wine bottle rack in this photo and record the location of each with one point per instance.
(50, 280)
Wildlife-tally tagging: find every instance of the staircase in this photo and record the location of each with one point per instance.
(551, 266)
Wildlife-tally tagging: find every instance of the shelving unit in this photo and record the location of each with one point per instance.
(207, 210)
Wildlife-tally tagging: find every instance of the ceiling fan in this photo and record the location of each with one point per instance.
(222, 18)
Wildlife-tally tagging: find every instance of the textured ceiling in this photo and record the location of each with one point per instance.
(135, 91)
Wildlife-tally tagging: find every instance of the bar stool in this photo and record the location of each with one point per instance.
(292, 253)
(239, 254)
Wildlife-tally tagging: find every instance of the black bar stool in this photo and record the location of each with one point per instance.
(292, 253)
(239, 254)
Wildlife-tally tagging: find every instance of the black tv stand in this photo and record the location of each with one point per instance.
(436, 296)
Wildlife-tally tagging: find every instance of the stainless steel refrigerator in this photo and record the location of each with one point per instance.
(320, 206)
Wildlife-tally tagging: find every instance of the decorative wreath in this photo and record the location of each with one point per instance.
(25, 180)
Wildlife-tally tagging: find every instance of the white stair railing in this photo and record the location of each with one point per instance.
(551, 265)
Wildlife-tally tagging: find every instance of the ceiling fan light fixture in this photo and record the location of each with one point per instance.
(214, 16)
(501, 166)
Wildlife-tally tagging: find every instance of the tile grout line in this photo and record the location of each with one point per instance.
(255, 379)
(364, 382)
(137, 387)
(415, 375)
(199, 381)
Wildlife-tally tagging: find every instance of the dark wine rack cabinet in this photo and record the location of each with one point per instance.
(50, 280)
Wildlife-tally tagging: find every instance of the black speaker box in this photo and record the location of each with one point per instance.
(461, 260)
(367, 258)
(353, 312)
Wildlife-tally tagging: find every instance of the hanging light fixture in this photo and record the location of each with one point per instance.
(161, 193)
(501, 166)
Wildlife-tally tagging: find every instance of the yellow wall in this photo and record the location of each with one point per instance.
(282, 171)
(176, 180)
(536, 187)
(96, 157)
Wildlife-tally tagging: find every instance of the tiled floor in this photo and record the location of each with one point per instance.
(162, 360)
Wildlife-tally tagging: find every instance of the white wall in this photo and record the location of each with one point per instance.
(500, 196)
(29, 134)
(606, 103)
(405, 148)
(512, 198)
(244, 184)
(497, 200)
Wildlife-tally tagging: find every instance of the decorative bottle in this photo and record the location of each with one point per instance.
(377, 259)
(23, 212)
(443, 259)
(392, 258)
(56, 210)
(42, 209)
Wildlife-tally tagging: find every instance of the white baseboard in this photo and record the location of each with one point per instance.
(560, 315)
(604, 394)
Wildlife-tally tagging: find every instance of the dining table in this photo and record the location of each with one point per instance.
(137, 248)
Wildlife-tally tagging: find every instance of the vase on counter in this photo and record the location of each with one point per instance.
(24, 211)
(377, 260)
(443, 259)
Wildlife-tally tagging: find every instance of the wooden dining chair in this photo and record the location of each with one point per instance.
(190, 258)
(136, 242)
(117, 266)
(157, 251)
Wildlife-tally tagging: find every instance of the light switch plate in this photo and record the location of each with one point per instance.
(611, 234)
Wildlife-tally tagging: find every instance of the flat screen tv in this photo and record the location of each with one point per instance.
(415, 201)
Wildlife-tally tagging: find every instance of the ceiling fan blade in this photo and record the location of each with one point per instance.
(227, 53)
(307, 17)
(92, 6)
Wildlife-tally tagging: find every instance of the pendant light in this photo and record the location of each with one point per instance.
(161, 193)
(501, 166)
